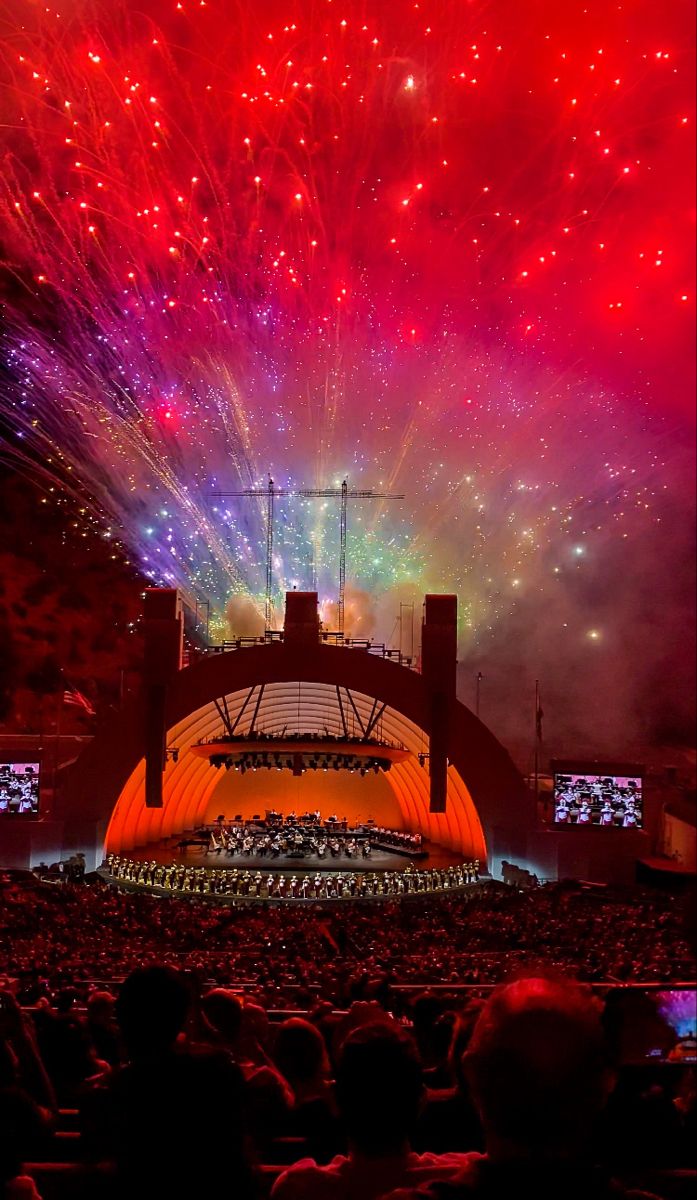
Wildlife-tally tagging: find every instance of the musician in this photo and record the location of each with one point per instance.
(584, 813)
(561, 812)
(607, 816)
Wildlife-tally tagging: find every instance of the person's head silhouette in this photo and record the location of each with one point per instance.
(151, 1009)
(379, 1085)
(538, 1068)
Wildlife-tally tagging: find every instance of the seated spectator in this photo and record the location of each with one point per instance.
(538, 1068)
(379, 1086)
(268, 1099)
(66, 1047)
(301, 1056)
(24, 1126)
(171, 1118)
(439, 1075)
(449, 1120)
(23, 1067)
(102, 1028)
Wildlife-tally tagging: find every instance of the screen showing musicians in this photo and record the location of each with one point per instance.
(19, 789)
(610, 801)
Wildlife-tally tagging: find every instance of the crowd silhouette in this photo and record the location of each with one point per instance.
(154, 1026)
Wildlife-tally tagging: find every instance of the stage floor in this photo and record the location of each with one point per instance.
(166, 852)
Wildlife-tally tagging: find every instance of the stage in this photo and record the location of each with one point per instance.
(243, 868)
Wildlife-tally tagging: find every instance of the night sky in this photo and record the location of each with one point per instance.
(443, 248)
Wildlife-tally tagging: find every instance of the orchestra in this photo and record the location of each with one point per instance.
(306, 836)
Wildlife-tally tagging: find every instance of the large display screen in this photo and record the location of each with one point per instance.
(654, 1026)
(609, 801)
(19, 789)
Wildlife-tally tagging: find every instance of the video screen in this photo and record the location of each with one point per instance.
(19, 789)
(610, 801)
(654, 1026)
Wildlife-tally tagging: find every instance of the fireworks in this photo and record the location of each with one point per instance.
(437, 248)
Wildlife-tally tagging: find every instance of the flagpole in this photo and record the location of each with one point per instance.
(537, 744)
(56, 755)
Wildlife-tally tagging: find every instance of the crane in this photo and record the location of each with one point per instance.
(270, 492)
(344, 493)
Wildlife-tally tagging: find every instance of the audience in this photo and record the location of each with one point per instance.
(57, 941)
(161, 1034)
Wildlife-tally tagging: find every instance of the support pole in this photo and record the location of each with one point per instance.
(269, 555)
(342, 555)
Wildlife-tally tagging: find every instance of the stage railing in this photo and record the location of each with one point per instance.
(194, 653)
